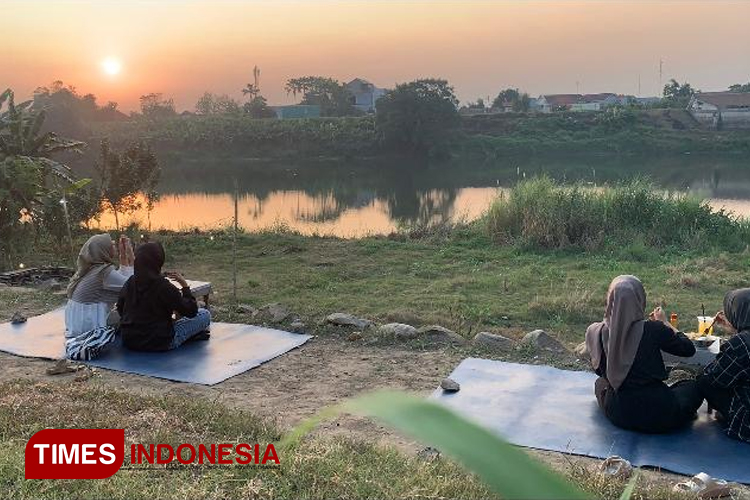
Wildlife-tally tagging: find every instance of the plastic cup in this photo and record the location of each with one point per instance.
(703, 323)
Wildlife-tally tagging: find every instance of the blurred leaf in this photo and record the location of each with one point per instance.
(628, 491)
(506, 469)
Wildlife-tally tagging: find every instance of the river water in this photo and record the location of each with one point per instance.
(356, 199)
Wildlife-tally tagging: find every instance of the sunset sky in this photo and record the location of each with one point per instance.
(183, 48)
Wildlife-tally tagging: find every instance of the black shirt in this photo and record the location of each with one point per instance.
(648, 365)
(146, 319)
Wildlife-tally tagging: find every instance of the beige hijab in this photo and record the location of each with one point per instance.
(615, 340)
(95, 254)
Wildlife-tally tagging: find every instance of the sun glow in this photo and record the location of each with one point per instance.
(111, 66)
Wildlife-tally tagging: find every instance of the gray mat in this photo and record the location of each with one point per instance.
(232, 349)
(550, 409)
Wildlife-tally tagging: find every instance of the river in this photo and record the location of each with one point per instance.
(355, 199)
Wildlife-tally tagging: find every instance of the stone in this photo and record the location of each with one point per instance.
(354, 336)
(275, 312)
(343, 319)
(450, 385)
(17, 318)
(428, 454)
(494, 341)
(52, 285)
(540, 339)
(246, 309)
(399, 330)
(298, 327)
(437, 333)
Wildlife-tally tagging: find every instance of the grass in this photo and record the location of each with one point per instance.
(320, 468)
(317, 468)
(465, 281)
(541, 213)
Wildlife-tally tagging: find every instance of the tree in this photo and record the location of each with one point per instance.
(418, 116)
(740, 87)
(259, 108)
(125, 177)
(678, 95)
(519, 102)
(29, 177)
(155, 107)
(210, 104)
(329, 94)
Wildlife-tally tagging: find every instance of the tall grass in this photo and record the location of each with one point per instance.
(541, 213)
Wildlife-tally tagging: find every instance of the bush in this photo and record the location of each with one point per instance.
(541, 213)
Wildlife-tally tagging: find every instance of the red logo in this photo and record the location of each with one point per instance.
(74, 453)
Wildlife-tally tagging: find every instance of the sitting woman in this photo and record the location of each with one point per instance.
(626, 350)
(725, 383)
(148, 301)
(95, 286)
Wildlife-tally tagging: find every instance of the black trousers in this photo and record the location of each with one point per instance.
(718, 398)
(655, 408)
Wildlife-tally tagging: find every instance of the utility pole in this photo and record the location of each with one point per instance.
(639, 85)
(661, 72)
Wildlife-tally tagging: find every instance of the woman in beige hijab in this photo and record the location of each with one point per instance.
(626, 351)
(95, 286)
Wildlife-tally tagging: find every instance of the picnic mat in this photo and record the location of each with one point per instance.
(232, 349)
(551, 409)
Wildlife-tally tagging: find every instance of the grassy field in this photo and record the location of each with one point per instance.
(463, 280)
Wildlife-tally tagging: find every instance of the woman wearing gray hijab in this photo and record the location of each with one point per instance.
(725, 383)
(95, 286)
(626, 354)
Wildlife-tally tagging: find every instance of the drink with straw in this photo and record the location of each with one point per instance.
(705, 323)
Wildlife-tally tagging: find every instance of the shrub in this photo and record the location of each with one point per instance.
(541, 213)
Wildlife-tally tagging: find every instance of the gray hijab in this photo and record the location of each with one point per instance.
(737, 308)
(95, 255)
(615, 340)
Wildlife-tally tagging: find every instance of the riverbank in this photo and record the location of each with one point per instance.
(454, 277)
(485, 136)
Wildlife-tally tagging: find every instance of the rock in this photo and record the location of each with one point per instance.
(275, 312)
(246, 309)
(17, 318)
(437, 333)
(582, 351)
(298, 327)
(399, 330)
(539, 339)
(429, 454)
(354, 336)
(450, 385)
(494, 341)
(343, 319)
(52, 285)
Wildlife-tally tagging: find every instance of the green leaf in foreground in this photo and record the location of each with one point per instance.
(506, 469)
(628, 491)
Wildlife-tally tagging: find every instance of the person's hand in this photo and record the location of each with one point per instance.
(659, 315)
(177, 277)
(721, 320)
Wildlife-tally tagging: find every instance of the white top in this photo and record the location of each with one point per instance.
(81, 318)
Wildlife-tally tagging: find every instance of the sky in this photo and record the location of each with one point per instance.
(184, 48)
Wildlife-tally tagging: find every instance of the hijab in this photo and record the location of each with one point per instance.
(614, 341)
(737, 308)
(95, 254)
(149, 259)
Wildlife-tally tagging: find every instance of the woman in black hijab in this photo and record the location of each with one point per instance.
(725, 383)
(148, 300)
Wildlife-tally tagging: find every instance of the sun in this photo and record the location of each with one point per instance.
(111, 66)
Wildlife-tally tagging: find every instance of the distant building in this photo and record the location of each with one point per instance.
(721, 109)
(297, 111)
(556, 102)
(365, 95)
(580, 102)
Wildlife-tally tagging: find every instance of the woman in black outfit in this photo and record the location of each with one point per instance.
(626, 354)
(148, 301)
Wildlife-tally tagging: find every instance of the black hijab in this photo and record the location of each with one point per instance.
(737, 308)
(149, 259)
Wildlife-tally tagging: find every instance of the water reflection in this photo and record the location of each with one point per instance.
(357, 199)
